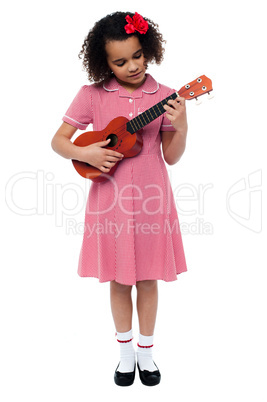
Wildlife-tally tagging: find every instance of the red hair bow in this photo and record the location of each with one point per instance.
(137, 23)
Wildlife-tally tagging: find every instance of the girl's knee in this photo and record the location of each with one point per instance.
(146, 285)
(118, 287)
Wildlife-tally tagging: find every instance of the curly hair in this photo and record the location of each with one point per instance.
(111, 28)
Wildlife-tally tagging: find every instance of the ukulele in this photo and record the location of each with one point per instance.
(123, 133)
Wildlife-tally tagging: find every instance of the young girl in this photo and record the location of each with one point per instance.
(132, 234)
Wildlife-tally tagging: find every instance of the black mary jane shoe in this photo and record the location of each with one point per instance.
(124, 379)
(149, 378)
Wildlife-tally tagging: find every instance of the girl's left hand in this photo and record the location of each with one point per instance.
(176, 113)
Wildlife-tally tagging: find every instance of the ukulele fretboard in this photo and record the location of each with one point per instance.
(149, 115)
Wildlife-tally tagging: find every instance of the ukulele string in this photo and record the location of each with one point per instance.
(122, 128)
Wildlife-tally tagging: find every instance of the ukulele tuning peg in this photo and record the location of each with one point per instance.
(210, 95)
(198, 102)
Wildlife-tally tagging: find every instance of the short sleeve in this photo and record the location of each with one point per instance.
(166, 124)
(80, 112)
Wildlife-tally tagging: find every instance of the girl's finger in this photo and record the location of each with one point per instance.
(180, 100)
(168, 109)
(114, 154)
(102, 143)
(170, 116)
(109, 164)
(177, 102)
(111, 158)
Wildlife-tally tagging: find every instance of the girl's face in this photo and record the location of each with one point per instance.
(126, 60)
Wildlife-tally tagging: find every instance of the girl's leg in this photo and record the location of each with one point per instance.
(147, 304)
(122, 309)
(121, 306)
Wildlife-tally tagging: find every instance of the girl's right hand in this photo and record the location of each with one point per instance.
(98, 156)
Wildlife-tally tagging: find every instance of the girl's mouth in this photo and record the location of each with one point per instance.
(135, 75)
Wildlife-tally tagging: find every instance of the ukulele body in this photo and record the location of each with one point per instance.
(121, 141)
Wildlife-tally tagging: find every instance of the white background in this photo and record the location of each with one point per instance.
(57, 333)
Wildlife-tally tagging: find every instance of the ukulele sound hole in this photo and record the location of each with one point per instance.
(113, 140)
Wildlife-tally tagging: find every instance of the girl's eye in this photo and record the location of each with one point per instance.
(123, 62)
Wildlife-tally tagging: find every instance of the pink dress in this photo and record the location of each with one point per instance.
(131, 231)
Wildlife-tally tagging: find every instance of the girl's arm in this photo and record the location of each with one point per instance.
(173, 143)
(61, 142)
(94, 154)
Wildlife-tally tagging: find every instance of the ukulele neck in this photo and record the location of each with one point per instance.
(149, 115)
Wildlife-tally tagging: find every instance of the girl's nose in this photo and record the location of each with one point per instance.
(132, 67)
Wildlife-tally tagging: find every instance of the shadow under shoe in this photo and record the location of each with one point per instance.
(124, 379)
(149, 378)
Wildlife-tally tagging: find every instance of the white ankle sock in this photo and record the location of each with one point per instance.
(144, 354)
(127, 352)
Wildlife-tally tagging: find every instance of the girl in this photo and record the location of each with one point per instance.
(131, 234)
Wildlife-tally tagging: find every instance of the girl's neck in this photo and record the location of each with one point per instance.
(130, 88)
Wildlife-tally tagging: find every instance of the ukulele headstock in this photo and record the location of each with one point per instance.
(200, 86)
